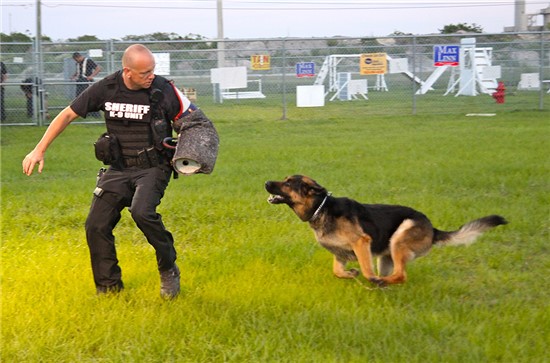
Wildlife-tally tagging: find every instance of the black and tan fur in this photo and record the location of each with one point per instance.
(353, 231)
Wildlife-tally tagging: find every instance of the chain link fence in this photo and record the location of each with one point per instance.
(400, 75)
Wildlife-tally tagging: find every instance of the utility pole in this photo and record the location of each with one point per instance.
(39, 66)
(221, 44)
(221, 51)
(520, 21)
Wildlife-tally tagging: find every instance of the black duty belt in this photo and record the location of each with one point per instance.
(132, 161)
(147, 158)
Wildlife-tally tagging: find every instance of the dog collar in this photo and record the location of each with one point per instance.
(318, 210)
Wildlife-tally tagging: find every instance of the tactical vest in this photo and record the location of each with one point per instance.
(128, 115)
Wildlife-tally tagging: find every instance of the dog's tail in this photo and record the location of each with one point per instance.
(468, 233)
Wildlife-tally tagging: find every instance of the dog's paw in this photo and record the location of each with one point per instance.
(377, 281)
(347, 274)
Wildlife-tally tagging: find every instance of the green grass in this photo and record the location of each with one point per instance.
(255, 285)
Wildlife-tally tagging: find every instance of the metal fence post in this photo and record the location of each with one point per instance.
(283, 117)
(541, 73)
(110, 56)
(414, 71)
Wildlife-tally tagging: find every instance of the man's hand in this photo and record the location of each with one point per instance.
(59, 123)
(33, 158)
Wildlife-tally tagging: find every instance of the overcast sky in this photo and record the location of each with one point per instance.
(108, 19)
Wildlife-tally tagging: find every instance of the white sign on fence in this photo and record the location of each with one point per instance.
(229, 77)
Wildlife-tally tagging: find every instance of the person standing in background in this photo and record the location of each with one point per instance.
(27, 89)
(4, 77)
(86, 70)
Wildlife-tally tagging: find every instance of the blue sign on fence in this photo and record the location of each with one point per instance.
(305, 69)
(446, 55)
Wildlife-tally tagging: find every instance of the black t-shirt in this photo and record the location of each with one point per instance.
(120, 103)
(128, 112)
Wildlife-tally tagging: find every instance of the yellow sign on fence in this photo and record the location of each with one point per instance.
(260, 62)
(373, 63)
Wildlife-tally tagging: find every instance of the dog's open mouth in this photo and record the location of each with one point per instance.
(276, 199)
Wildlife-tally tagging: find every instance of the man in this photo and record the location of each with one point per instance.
(138, 106)
(3, 78)
(27, 89)
(86, 70)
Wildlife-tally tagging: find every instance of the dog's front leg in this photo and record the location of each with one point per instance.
(362, 250)
(339, 269)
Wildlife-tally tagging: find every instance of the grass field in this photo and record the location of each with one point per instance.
(255, 285)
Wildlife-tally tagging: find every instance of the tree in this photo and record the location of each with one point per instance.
(163, 37)
(461, 27)
(85, 38)
(158, 36)
(15, 38)
(21, 42)
(399, 33)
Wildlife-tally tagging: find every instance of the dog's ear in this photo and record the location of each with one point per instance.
(314, 189)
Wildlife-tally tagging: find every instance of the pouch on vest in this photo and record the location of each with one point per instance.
(107, 150)
(159, 126)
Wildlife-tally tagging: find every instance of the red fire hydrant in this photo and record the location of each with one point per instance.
(499, 94)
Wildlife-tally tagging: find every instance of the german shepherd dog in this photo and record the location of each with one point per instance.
(353, 231)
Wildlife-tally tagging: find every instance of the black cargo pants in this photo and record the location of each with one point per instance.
(141, 190)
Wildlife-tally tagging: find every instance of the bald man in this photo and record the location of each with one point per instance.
(140, 109)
